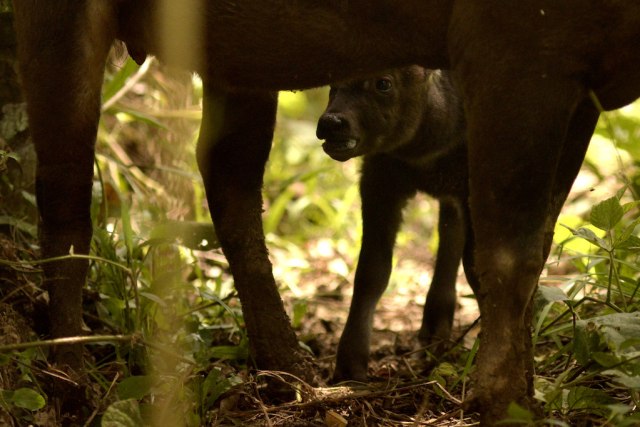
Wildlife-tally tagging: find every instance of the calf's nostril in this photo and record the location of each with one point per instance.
(328, 124)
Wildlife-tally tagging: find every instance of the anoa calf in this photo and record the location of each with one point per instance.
(408, 123)
(527, 70)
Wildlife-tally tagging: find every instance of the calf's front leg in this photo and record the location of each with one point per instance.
(384, 193)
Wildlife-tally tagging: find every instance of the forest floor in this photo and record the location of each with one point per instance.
(404, 390)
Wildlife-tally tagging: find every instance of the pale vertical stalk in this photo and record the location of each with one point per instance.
(180, 29)
(181, 24)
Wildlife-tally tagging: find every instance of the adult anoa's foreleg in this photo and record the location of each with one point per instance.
(62, 49)
(234, 145)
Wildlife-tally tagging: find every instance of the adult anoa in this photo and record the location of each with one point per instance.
(527, 71)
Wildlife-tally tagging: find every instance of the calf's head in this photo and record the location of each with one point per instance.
(374, 115)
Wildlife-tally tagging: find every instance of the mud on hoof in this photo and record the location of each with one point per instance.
(494, 408)
(280, 386)
(72, 395)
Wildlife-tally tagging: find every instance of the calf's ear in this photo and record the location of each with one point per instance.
(418, 73)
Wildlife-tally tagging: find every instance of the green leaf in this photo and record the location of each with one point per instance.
(128, 115)
(228, 352)
(119, 79)
(587, 398)
(127, 231)
(28, 399)
(591, 237)
(21, 225)
(125, 413)
(299, 310)
(153, 297)
(631, 381)
(135, 387)
(586, 340)
(214, 386)
(605, 359)
(518, 413)
(628, 206)
(620, 193)
(191, 234)
(606, 214)
(630, 242)
(620, 330)
(552, 293)
(619, 409)
(618, 333)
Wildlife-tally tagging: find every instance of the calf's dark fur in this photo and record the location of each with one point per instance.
(525, 70)
(408, 123)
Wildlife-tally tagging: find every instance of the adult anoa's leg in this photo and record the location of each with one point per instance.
(62, 48)
(581, 128)
(441, 299)
(384, 192)
(511, 192)
(516, 136)
(234, 145)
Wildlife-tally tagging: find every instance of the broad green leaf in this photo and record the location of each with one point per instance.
(587, 398)
(28, 399)
(618, 333)
(606, 214)
(125, 413)
(605, 359)
(135, 387)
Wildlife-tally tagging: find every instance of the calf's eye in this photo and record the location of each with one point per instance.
(383, 85)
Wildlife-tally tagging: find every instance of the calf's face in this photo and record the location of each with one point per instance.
(374, 115)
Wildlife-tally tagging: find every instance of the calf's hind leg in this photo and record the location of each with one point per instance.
(62, 48)
(234, 144)
(441, 299)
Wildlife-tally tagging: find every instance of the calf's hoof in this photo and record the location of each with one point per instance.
(344, 374)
